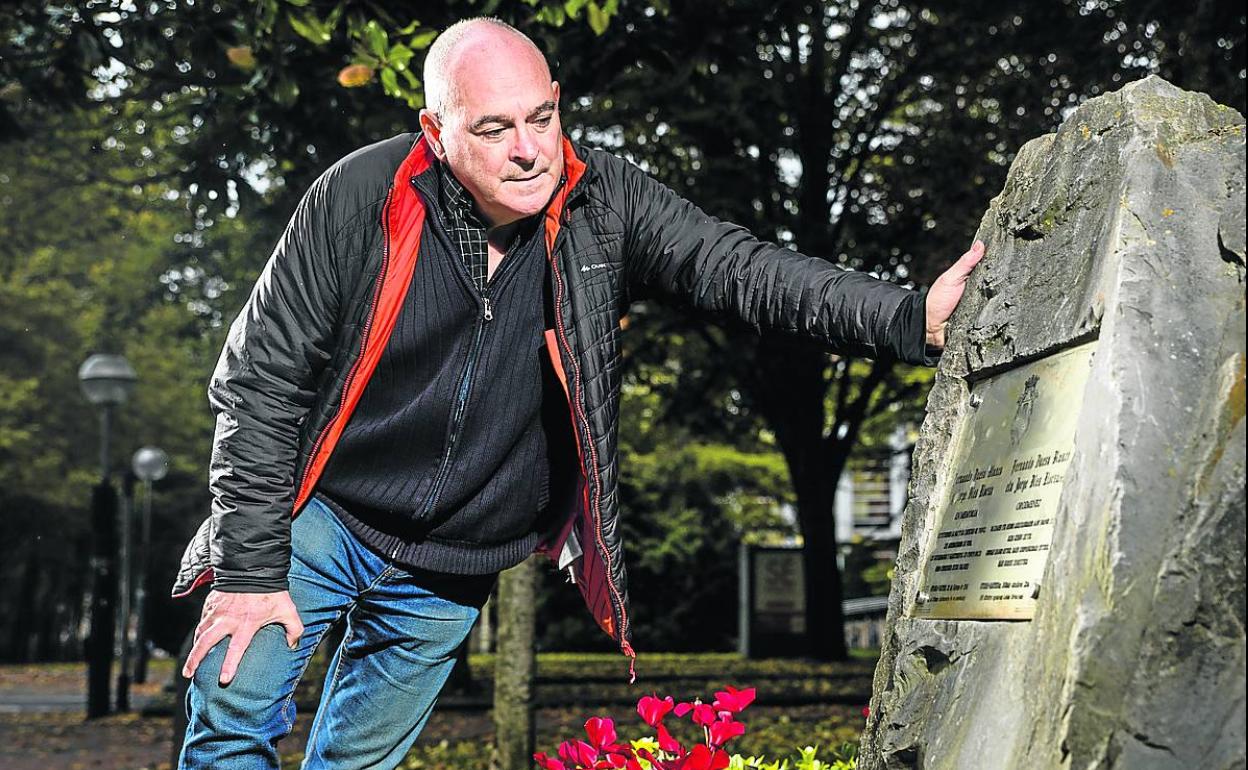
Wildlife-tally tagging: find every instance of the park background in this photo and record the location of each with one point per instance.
(151, 153)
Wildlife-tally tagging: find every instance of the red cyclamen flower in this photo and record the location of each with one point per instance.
(667, 743)
(578, 753)
(725, 730)
(702, 758)
(548, 763)
(733, 700)
(652, 710)
(703, 715)
(601, 733)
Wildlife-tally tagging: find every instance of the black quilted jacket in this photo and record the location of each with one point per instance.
(300, 351)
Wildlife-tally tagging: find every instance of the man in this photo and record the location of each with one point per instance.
(426, 378)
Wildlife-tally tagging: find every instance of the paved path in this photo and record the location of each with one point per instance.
(28, 702)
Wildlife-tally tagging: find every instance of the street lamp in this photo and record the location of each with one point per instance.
(107, 381)
(150, 464)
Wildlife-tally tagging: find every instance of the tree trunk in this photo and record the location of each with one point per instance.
(791, 389)
(460, 682)
(19, 646)
(181, 685)
(515, 668)
(825, 621)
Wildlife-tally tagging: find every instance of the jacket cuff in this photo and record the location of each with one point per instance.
(248, 584)
(909, 333)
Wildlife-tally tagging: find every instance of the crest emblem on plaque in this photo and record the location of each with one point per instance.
(1022, 415)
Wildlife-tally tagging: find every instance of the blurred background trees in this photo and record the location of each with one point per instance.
(150, 153)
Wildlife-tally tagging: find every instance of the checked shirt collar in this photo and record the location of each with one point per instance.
(470, 232)
(466, 228)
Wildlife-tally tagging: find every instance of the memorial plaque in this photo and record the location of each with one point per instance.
(779, 591)
(995, 524)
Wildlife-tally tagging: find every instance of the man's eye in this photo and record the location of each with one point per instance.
(544, 122)
(494, 133)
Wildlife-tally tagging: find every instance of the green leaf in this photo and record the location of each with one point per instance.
(299, 3)
(285, 92)
(308, 26)
(598, 18)
(552, 15)
(399, 57)
(266, 17)
(376, 38)
(390, 82)
(331, 21)
(573, 7)
(422, 39)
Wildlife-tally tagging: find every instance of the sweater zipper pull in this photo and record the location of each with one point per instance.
(488, 315)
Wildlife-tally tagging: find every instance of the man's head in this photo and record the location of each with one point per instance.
(492, 115)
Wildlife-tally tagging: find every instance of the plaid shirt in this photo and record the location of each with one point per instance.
(470, 232)
(466, 228)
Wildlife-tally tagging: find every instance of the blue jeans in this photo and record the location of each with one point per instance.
(398, 649)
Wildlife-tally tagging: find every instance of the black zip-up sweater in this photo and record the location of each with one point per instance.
(444, 464)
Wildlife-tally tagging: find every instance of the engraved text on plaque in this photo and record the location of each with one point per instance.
(996, 520)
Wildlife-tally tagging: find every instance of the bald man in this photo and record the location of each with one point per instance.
(423, 389)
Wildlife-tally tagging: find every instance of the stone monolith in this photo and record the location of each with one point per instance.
(1123, 231)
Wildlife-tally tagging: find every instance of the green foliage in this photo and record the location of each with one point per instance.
(844, 758)
(689, 499)
(139, 222)
(83, 249)
(869, 134)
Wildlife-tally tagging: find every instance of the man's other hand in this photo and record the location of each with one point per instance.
(946, 292)
(239, 616)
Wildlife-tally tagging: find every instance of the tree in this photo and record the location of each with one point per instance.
(71, 285)
(515, 668)
(870, 133)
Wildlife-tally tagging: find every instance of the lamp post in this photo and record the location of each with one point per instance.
(124, 591)
(106, 381)
(150, 464)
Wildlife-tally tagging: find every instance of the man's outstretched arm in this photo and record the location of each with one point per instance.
(676, 250)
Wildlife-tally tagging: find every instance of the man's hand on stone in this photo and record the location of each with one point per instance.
(946, 292)
(239, 616)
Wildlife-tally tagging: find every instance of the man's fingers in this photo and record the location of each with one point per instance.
(233, 656)
(211, 634)
(294, 630)
(967, 262)
(946, 293)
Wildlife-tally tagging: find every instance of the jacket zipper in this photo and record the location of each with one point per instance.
(368, 325)
(461, 408)
(578, 410)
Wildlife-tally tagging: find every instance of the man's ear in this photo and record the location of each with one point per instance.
(433, 133)
(554, 88)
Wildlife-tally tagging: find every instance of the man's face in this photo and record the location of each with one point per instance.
(499, 131)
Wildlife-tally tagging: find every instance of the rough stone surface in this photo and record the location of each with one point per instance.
(1126, 226)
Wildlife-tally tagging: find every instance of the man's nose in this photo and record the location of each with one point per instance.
(524, 150)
